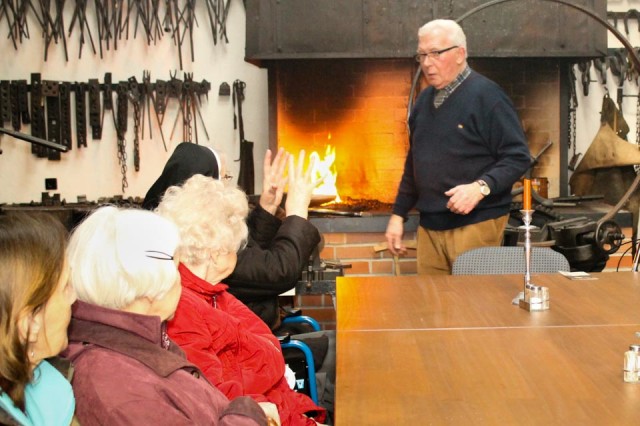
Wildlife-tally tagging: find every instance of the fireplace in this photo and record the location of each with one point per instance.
(359, 107)
(341, 73)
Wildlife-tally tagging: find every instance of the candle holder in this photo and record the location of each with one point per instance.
(534, 297)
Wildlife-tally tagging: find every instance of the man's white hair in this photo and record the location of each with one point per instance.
(451, 28)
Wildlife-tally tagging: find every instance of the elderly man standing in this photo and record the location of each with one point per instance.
(467, 149)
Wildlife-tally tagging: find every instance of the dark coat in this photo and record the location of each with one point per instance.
(276, 253)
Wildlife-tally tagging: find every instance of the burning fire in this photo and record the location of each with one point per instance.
(325, 168)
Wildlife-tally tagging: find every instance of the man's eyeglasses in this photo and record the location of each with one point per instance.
(434, 54)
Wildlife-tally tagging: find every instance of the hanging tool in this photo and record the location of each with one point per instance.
(148, 102)
(34, 140)
(212, 11)
(5, 103)
(585, 70)
(573, 106)
(51, 92)
(601, 65)
(201, 89)
(80, 14)
(95, 117)
(15, 109)
(53, 29)
(81, 114)
(135, 97)
(38, 128)
(187, 109)
(246, 177)
(122, 103)
(65, 114)
(631, 13)
(23, 101)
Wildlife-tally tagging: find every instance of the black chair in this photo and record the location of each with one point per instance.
(508, 260)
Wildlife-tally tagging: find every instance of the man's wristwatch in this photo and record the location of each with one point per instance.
(484, 188)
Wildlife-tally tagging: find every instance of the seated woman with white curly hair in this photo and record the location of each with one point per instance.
(232, 346)
(127, 370)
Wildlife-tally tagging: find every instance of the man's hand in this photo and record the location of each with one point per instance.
(464, 198)
(273, 180)
(395, 229)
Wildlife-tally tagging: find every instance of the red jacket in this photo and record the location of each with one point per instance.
(235, 349)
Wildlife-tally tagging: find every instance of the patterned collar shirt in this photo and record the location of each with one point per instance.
(445, 92)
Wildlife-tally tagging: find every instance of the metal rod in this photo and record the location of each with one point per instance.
(34, 140)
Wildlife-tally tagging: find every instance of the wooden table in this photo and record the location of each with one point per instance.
(448, 350)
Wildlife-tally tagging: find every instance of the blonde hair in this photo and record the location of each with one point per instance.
(210, 216)
(32, 250)
(120, 255)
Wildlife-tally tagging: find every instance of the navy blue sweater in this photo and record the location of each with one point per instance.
(475, 134)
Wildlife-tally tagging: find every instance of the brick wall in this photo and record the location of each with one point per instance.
(358, 250)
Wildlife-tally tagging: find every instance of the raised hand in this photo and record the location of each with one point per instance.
(273, 180)
(301, 185)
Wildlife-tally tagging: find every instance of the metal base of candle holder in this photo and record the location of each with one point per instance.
(532, 307)
(536, 298)
(533, 298)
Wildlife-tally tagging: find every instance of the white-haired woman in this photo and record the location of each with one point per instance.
(127, 370)
(234, 349)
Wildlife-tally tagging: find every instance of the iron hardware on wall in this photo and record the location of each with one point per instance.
(48, 111)
(114, 20)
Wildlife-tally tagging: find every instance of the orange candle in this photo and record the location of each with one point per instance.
(526, 195)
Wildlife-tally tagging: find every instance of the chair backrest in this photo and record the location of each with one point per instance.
(508, 260)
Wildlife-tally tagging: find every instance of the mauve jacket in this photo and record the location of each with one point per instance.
(235, 350)
(125, 376)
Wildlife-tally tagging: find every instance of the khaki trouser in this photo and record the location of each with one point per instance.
(437, 250)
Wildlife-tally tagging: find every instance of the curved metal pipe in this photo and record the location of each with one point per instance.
(633, 56)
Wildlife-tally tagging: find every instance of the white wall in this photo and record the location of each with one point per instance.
(588, 113)
(94, 171)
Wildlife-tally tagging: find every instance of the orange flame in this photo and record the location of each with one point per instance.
(324, 168)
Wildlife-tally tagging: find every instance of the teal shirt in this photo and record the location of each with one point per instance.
(48, 399)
